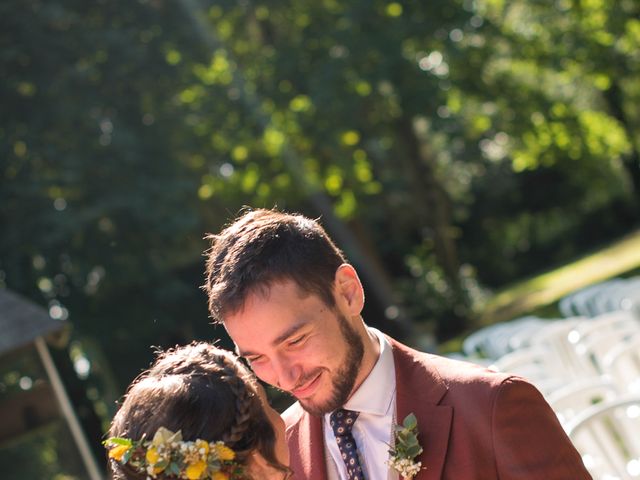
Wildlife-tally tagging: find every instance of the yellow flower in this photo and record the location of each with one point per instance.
(202, 445)
(152, 470)
(152, 456)
(118, 452)
(195, 470)
(220, 476)
(224, 453)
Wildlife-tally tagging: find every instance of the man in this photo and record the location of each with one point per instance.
(292, 305)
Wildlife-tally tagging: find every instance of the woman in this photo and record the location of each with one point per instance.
(198, 413)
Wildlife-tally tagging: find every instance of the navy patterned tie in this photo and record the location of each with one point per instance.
(342, 422)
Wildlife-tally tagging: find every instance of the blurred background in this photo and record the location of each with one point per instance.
(452, 148)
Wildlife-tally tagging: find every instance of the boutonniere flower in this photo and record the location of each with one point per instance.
(406, 448)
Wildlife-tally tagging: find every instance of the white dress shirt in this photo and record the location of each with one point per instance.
(375, 399)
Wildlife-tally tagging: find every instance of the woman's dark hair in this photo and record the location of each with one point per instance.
(262, 247)
(205, 392)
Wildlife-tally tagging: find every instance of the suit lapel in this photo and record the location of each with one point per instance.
(310, 449)
(418, 391)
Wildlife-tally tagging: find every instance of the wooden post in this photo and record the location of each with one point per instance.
(67, 411)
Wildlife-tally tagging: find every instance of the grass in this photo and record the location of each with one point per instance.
(547, 288)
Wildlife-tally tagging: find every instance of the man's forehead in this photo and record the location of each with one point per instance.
(271, 290)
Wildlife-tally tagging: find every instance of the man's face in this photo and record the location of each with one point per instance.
(298, 344)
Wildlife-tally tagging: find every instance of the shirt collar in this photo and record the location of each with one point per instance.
(376, 394)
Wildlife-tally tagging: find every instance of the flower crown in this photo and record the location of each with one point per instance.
(168, 457)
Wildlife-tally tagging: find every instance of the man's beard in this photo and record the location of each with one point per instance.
(344, 379)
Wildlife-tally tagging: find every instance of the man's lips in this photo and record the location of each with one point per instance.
(307, 389)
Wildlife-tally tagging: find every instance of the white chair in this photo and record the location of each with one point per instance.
(501, 338)
(554, 336)
(529, 326)
(599, 323)
(534, 363)
(607, 435)
(484, 362)
(592, 339)
(630, 297)
(577, 396)
(612, 295)
(604, 299)
(581, 302)
(622, 363)
(474, 344)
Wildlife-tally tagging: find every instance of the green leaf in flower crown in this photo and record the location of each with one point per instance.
(127, 456)
(118, 441)
(410, 422)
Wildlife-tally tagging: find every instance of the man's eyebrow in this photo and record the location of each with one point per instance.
(292, 330)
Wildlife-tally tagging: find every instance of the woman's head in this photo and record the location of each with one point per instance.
(207, 394)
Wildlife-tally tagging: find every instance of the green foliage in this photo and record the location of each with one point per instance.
(48, 452)
(406, 439)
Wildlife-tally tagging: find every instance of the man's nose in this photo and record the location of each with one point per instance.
(287, 372)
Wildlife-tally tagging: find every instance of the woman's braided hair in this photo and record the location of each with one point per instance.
(205, 392)
(244, 402)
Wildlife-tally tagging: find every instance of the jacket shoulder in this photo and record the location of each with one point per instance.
(455, 376)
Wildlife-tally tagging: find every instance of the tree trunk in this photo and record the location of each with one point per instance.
(614, 98)
(434, 213)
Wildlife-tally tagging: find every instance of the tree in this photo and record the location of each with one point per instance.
(450, 147)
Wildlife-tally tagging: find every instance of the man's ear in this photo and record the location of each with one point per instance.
(349, 289)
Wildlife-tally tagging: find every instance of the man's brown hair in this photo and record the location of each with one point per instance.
(262, 247)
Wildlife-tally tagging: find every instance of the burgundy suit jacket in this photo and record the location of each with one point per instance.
(473, 424)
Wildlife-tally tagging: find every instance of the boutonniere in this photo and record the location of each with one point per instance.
(406, 448)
